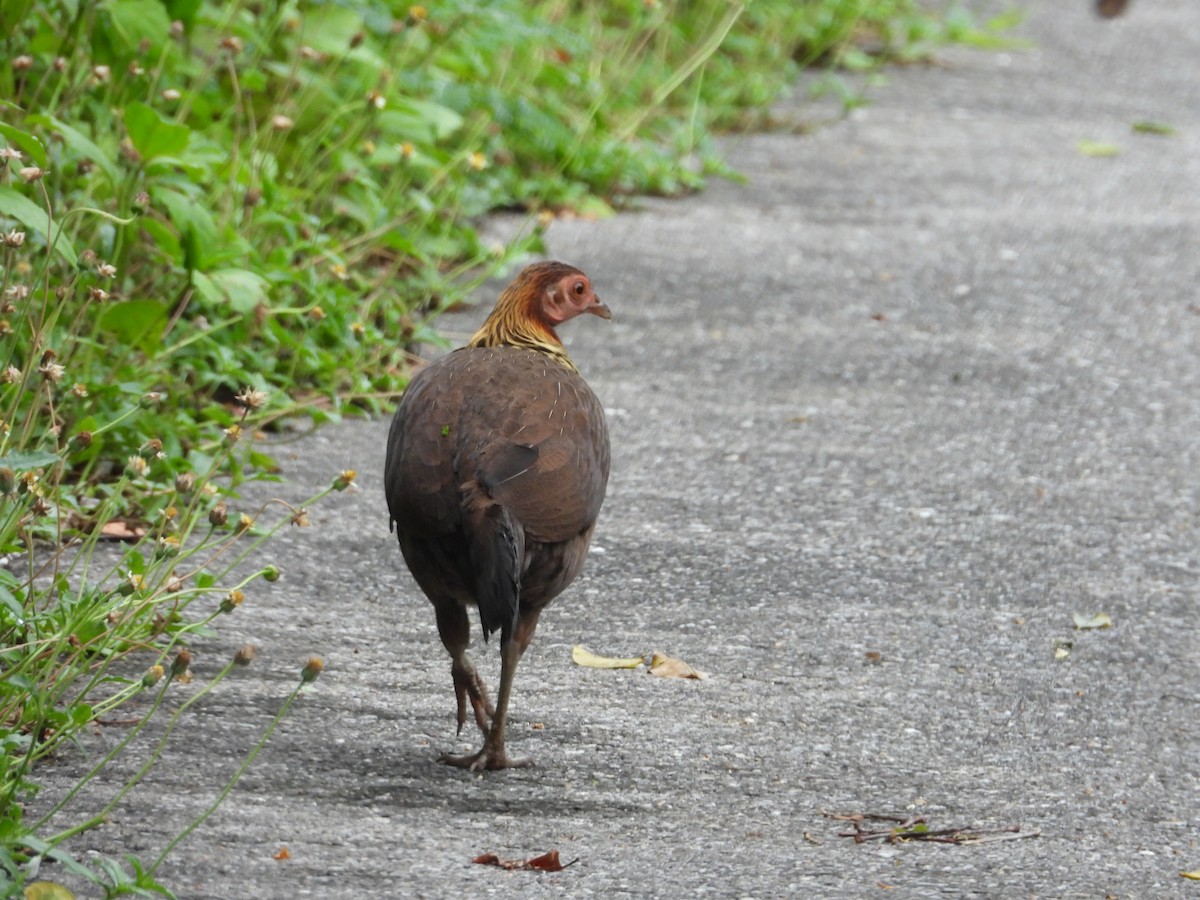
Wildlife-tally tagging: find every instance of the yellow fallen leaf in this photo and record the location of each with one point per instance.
(581, 656)
(1195, 876)
(670, 667)
(1098, 148)
(1099, 620)
(47, 890)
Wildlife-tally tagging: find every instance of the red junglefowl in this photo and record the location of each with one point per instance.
(497, 462)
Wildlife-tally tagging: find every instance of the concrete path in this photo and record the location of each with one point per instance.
(884, 420)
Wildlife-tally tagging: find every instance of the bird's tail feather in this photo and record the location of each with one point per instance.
(497, 548)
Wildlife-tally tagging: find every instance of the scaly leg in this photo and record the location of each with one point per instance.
(492, 755)
(455, 630)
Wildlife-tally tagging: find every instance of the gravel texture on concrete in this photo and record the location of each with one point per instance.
(884, 419)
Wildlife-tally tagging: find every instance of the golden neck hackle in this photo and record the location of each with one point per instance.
(516, 322)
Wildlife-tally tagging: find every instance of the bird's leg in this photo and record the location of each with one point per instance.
(492, 754)
(455, 630)
(469, 686)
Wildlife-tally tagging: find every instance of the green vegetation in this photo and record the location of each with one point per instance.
(214, 215)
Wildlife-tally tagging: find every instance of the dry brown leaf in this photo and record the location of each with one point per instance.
(547, 862)
(670, 667)
(581, 656)
(119, 530)
(284, 853)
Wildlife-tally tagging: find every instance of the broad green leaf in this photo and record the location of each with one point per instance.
(197, 230)
(418, 120)
(22, 462)
(138, 23)
(33, 217)
(151, 134)
(82, 145)
(330, 28)
(25, 142)
(137, 323)
(242, 290)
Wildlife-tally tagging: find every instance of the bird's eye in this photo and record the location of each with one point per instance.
(578, 289)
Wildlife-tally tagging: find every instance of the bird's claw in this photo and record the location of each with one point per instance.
(485, 760)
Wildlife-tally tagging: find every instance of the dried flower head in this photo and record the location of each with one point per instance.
(52, 371)
(232, 43)
(218, 515)
(32, 173)
(14, 238)
(376, 100)
(135, 69)
(245, 654)
(300, 518)
(152, 449)
(171, 95)
(252, 398)
(22, 63)
(101, 74)
(7, 153)
(182, 660)
(176, 29)
(477, 161)
(316, 314)
(310, 54)
(232, 434)
(245, 523)
(106, 270)
(184, 482)
(282, 123)
(79, 389)
(11, 375)
(136, 466)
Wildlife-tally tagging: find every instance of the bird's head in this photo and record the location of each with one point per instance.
(541, 297)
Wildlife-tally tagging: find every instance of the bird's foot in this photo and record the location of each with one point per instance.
(486, 759)
(468, 686)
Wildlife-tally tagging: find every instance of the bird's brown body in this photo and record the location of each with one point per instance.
(497, 463)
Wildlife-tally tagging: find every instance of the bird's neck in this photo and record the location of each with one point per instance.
(509, 326)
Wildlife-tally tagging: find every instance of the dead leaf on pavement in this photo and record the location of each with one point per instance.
(670, 667)
(1195, 876)
(547, 862)
(47, 890)
(581, 656)
(119, 530)
(284, 853)
(1099, 620)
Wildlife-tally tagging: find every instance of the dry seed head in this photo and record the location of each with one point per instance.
(310, 54)
(300, 518)
(245, 523)
(83, 439)
(251, 398)
(22, 63)
(232, 43)
(177, 29)
(184, 482)
(152, 449)
(40, 506)
(14, 238)
(218, 515)
(135, 69)
(171, 95)
(10, 375)
(98, 294)
(32, 173)
(281, 123)
(106, 270)
(182, 660)
(245, 655)
(101, 73)
(316, 314)
(136, 466)
(7, 153)
(52, 372)
(79, 389)
(8, 480)
(5, 327)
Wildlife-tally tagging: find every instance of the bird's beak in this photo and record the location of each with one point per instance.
(599, 309)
